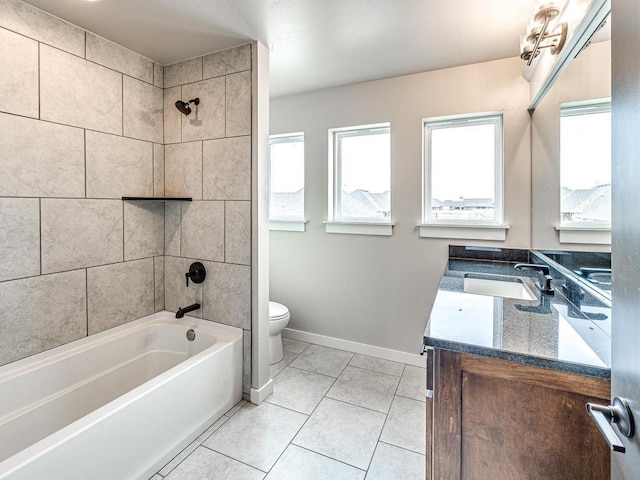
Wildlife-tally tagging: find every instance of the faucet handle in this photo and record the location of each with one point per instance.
(196, 272)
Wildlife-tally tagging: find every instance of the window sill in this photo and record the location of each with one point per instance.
(288, 225)
(584, 235)
(360, 228)
(459, 231)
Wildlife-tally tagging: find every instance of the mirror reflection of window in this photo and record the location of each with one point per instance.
(585, 164)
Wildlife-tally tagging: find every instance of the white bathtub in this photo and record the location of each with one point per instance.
(118, 404)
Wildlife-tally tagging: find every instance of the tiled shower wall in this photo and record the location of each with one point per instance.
(208, 158)
(83, 122)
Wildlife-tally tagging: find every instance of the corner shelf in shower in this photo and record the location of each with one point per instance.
(159, 199)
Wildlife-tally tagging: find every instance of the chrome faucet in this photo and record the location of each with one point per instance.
(181, 311)
(545, 282)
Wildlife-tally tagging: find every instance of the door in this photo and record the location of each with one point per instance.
(626, 225)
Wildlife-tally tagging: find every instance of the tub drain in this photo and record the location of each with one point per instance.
(191, 335)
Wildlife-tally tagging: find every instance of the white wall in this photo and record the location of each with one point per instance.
(379, 290)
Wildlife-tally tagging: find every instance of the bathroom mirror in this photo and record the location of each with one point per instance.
(571, 155)
(571, 166)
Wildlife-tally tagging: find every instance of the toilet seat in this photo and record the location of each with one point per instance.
(277, 311)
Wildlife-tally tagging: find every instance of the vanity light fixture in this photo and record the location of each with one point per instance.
(540, 34)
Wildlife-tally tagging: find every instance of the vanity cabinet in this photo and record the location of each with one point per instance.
(490, 419)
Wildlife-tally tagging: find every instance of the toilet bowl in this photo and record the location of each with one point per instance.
(278, 320)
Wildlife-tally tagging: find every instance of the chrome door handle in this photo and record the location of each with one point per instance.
(618, 413)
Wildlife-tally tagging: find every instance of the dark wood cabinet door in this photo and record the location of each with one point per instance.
(497, 420)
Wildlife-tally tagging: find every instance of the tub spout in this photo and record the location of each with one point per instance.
(181, 311)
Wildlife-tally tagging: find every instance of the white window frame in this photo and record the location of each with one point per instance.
(583, 232)
(286, 224)
(335, 222)
(459, 228)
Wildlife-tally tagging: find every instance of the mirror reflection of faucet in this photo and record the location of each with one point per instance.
(543, 307)
(575, 295)
(545, 282)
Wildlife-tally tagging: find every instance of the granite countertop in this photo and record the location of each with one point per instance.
(549, 331)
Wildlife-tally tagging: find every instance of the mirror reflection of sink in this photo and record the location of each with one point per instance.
(497, 286)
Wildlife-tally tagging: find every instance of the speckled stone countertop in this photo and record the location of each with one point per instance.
(549, 331)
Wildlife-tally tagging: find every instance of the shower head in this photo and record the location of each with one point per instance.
(184, 106)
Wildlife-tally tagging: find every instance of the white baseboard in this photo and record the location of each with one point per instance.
(258, 395)
(356, 347)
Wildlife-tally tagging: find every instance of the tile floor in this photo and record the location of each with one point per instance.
(333, 415)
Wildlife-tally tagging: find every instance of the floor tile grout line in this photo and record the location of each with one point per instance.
(361, 406)
(374, 371)
(409, 398)
(235, 459)
(330, 458)
(308, 371)
(402, 448)
(374, 452)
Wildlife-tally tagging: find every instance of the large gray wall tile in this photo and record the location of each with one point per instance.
(19, 238)
(76, 92)
(184, 72)
(34, 23)
(158, 268)
(227, 294)
(80, 233)
(158, 75)
(143, 110)
(203, 230)
(40, 313)
(227, 169)
(40, 159)
(172, 117)
(143, 229)
(158, 170)
(119, 58)
(226, 62)
(172, 224)
(19, 79)
(238, 111)
(177, 294)
(118, 166)
(208, 119)
(119, 293)
(183, 170)
(237, 232)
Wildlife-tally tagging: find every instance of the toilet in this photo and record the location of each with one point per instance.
(278, 320)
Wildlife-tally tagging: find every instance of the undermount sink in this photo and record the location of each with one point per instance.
(497, 286)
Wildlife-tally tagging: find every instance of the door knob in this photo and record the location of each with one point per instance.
(618, 413)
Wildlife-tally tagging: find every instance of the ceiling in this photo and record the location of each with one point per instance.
(313, 43)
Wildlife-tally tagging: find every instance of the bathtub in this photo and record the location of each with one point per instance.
(119, 404)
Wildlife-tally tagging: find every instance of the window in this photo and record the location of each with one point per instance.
(585, 165)
(360, 174)
(463, 170)
(286, 158)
